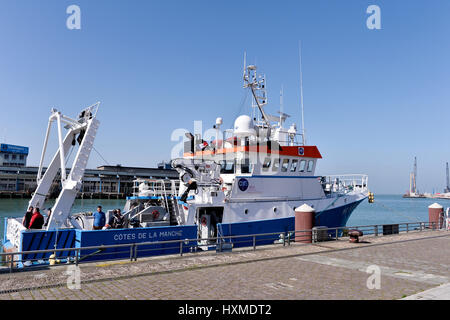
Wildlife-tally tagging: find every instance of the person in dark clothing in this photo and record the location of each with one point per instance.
(116, 221)
(49, 213)
(37, 220)
(27, 218)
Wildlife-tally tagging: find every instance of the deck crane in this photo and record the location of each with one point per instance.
(83, 130)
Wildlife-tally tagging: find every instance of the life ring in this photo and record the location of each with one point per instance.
(155, 214)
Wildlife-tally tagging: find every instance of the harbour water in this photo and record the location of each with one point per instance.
(18, 207)
(386, 209)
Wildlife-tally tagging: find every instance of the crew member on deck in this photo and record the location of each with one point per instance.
(37, 220)
(49, 213)
(27, 218)
(116, 221)
(99, 219)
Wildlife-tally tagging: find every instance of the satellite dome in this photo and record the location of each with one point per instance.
(243, 126)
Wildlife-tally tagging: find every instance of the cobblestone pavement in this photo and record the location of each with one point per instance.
(409, 264)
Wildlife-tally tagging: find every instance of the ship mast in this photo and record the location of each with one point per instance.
(301, 92)
(256, 83)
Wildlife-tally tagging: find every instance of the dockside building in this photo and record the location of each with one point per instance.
(103, 182)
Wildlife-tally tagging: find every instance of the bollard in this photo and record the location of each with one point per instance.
(304, 220)
(435, 215)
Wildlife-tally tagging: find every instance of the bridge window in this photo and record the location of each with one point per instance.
(285, 165)
(266, 164)
(302, 165)
(294, 165)
(310, 165)
(226, 166)
(245, 166)
(276, 165)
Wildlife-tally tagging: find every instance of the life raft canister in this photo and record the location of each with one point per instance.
(155, 214)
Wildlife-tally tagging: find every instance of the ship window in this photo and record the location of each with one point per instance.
(310, 165)
(266, 163)
(227, 166)
(13, 157)
(276, 165)
(302, 165)
(245, 166)
(294, 165)
(285, 165)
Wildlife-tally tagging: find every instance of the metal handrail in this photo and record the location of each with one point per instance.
(290, 235)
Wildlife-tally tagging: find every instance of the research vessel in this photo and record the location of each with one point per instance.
(248, 180)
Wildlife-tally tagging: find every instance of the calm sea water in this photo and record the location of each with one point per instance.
(386, 209)
(18, 207)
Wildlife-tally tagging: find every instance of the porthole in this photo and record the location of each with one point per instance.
(246, 211)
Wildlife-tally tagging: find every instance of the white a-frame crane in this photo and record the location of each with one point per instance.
(81, 131)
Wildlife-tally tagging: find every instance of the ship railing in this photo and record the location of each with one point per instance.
(222, 243)
(157, 187)
(343, 184)
(293, 140)
(167, 190)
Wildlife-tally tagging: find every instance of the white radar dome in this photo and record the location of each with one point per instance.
(243, 126)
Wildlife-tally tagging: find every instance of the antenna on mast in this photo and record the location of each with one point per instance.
(256, 84)
(281, 104)
(245, 65)
(301, 91)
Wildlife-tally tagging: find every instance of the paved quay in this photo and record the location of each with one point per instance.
(408, 265)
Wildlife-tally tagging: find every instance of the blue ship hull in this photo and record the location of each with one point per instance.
(71, 238)
(332, 218)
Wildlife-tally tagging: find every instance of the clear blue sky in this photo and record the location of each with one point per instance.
(373, 99)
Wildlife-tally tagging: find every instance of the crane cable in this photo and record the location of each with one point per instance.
(101, 156)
